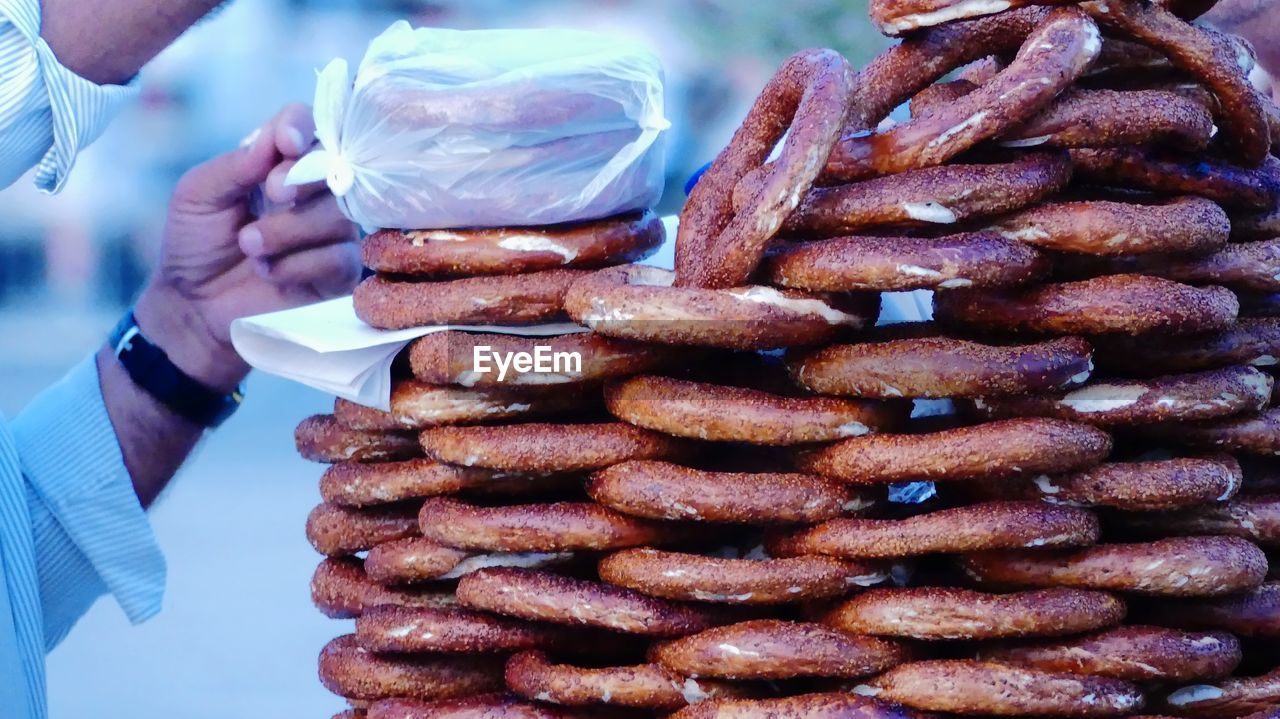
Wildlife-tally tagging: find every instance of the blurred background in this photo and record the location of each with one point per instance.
(238, 636)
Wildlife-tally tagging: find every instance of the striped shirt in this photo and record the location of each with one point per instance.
(48, 114)
(71, 527)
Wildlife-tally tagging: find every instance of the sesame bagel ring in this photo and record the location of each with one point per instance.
(1256, 518)
(1114, 304)
(393, 303)
(1178, 567)
(1153, 486)
(832, 705)
(418, 405)
(941, 367)
(1132, 653)
(1129, 402)
(352, 484)
(481, 706)
(1005, 448)
(719, 413)
(1142, 169)
(1234, 697)
(934, 195)
(514, 250)
(1251, 226)
(645, 686)
(1053, 56)
(351, 671)
(321, 438)
(1253, 341)
(1211, 58)
(808, 99)
(341, 531)
(555, 527)
(1248, 434)
(547, 597)
(969, 687)
(1244, 266)
(694, 577)
(637, 302)
(661, 490)
(774, 649)
(1118, 118)
(1252, 614)
(450, 358)
(891, 264)
(340, 589)
(453, 630)
(416, 559)
(936, 613)
(547, 447)
(896, 17)
(1184, 224)
(976, 527)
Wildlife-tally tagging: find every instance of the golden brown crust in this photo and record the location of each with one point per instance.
(1118, 118)
(341, 590)
(637, 302)
(418, 405)
(556, 527)
(993, 450)
(340, 531)
(1256, 518)
(660, 490)
(977, 527)
(1133, 653)
(388, 303)
(835, 705)
(1248, 341)
(971, 687)
(548, 447)
(1054, 55)
(950, 613)
(453, 630)
(1123, 304)
(1151, 486)
(775, 649)
(901, 17)
(1178, 567)
(1254, 613)
(448, 358)
(1130, 402)
(643, 686)
(1228, 185)
(1233, 697)
(705, 411)
(936, 367)
(808, 101)
(542, 596)
(765, 581)
(483, 706)
(1100, 227)
(890, 264)
(931, 195)
(1249, 434)
(352, 484)
(348, 670)
(320, 438)
(415, 560)
(514, 250)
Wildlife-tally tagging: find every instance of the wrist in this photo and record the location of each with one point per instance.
(172, 323)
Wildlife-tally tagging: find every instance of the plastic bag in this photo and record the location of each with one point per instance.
(485, 128)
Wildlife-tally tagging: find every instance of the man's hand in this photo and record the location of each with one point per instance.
(218, 262)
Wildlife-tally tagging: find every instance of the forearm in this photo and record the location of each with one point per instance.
(108, 41)
(153, 439)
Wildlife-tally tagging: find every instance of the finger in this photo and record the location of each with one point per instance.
(227, 179)
(331, 271)
(294, 130)
(310, 224)
(283, 194)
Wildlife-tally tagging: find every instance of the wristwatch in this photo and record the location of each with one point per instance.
(153, 371)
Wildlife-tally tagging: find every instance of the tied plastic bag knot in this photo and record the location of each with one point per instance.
(448, 128)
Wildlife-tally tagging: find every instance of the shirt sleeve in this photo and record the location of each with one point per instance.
(48, 114)
(91, 534)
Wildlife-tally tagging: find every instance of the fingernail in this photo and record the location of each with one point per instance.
(251, 137)
(263, 268)
(251, 241)
(279, 192)
(295, 137)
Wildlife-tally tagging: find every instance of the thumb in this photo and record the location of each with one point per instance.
(227, 179)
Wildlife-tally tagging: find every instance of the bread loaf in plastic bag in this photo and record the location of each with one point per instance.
(485, 128)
